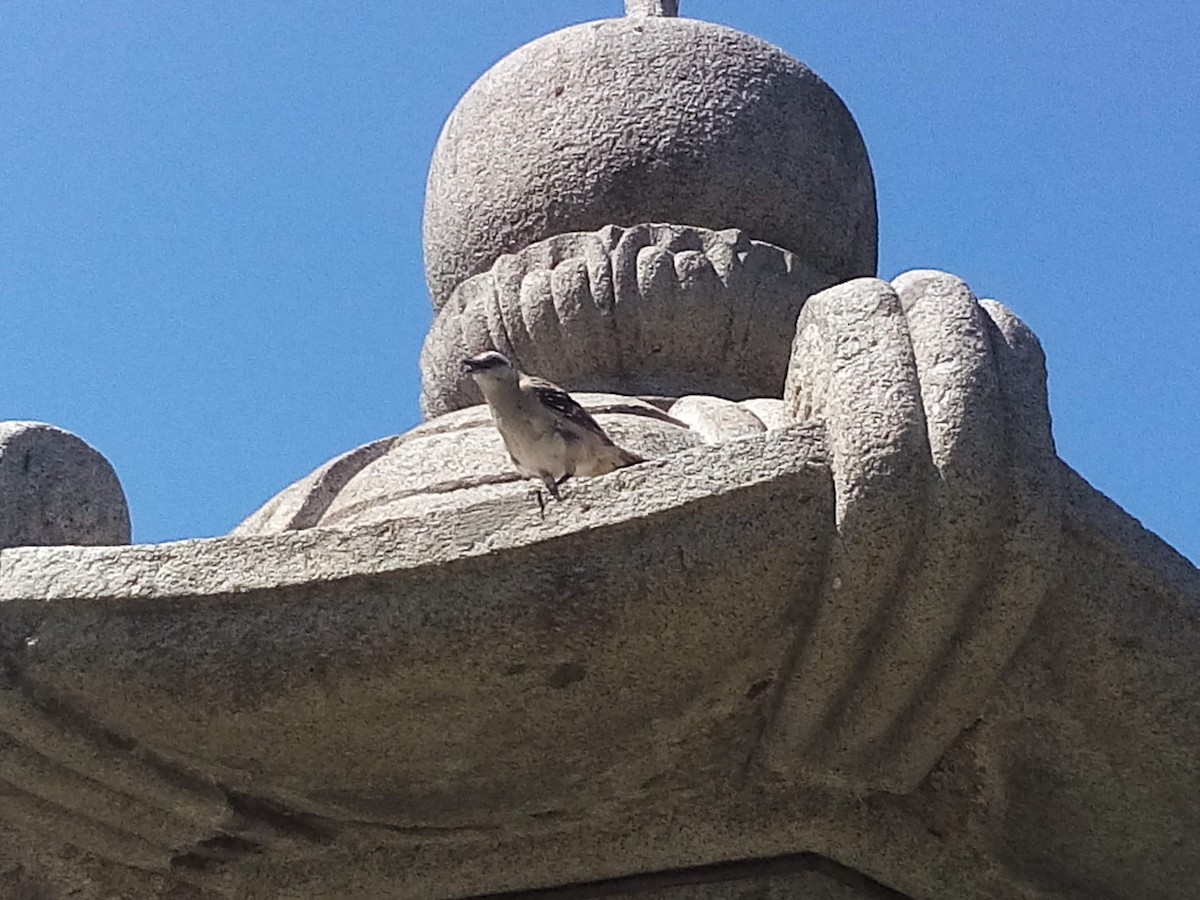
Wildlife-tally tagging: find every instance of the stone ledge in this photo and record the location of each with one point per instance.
(477, 669)
(197, 568)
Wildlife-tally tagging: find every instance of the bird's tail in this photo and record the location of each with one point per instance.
(628, 458)
(612, 458)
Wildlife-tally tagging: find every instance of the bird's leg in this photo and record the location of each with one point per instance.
(541, 501)
(552, 485)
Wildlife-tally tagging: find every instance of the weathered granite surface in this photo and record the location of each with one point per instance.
(853, 631)
(444, 467)
(802, 876)
(648, 119)
(649, 309)
(450, 463)
(199, 734)
(454, 705)
(948, 517)
(55, 489)
(264, 666)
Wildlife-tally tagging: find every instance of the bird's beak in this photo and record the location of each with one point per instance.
(469, 366)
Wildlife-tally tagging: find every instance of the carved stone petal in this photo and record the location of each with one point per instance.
(302, 504)
(715, 418)
(651, 309)
(771, 411)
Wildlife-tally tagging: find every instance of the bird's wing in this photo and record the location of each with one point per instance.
(561, 403)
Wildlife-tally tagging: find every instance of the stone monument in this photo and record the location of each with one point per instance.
(853, 631)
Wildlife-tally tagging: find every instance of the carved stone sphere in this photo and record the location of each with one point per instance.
(653, 119)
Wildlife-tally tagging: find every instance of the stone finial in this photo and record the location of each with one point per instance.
(613, 125)
(648, 120)
(651, 7)
(55, 489)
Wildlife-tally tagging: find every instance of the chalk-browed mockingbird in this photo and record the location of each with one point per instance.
(548, 435)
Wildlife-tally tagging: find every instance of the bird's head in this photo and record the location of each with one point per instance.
(490, 366)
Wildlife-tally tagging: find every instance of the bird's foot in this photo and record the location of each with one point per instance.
(552, 486)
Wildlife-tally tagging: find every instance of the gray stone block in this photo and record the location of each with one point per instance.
(648, 119)
(324, 646)
(280, 706)
(55, 489)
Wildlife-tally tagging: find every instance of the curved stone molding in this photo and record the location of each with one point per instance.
(448, 464)
(652, 309)
(304, 503)
(520, 694)
(55, 489)
(454, 461)
(853, 370)
(715, 418)
(500, 638)
(771, 411)
(959, 393)
(616, 122)
(66, 779)
(948, 507)
(453, 467)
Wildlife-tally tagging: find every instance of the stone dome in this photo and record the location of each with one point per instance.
(648, 119)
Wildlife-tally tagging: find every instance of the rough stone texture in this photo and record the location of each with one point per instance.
(270, 694)
(948, 507)
(1097, 797)
(895, 651)
(652, 309)
(303, 504)
(771, 411)
(315, 714)
(492, 700)
(446, 466)
(715, 418)
(55, 489)
(648, 119)
(457, 460)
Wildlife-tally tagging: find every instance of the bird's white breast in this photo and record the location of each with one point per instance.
(535, 445)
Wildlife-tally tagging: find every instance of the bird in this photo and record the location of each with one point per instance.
(548, 435)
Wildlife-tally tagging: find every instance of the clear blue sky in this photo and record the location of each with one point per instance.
(210, 217)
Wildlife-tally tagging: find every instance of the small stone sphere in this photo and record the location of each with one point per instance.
(648, 119)
(55, 489)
